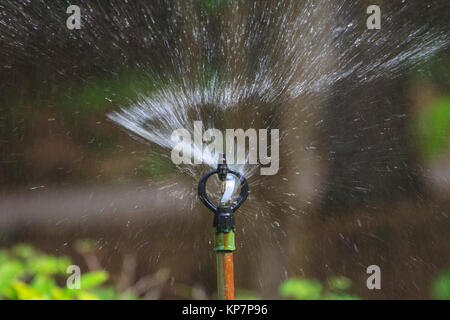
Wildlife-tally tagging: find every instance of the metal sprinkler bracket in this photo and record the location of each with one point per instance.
(224, 227)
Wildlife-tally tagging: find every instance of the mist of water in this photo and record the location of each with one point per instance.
(248, 55)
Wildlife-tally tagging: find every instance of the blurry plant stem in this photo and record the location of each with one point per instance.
(92, 262)
(128, 272)
(188, 292)
(151, 286)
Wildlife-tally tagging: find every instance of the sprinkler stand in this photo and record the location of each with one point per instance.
(224, 229)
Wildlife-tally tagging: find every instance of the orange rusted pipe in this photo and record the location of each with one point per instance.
(224, 246)
(225, 275)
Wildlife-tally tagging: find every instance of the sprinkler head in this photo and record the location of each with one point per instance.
(223, 214)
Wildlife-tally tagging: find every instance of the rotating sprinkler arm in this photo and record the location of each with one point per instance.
(222, 171)
(224, 224)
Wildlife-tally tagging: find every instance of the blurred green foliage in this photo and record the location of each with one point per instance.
(336, 288)
(26, 274)
(211, 6)
(158, 166)
(102, 94)
(441, 286)
(242, 294)
(433, 127)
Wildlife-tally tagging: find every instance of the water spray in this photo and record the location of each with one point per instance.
(224, 224)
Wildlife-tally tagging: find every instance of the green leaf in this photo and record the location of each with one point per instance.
(127, 296)
(62, 294)
(341, 296)
(26, 292)
(93, 279)
(301, 289)
(433, 127)
(62, 264)
(48, 265)
(246, 295)
(44, 285)
(24, 251)
(441, 287)
(8, 273)
(84, 295)
(105, 293)
(4, 257)
(339, 283)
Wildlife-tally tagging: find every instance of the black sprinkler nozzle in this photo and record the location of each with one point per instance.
(223, 215)
(222, 167)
